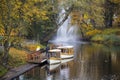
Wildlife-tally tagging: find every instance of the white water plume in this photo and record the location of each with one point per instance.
(66, 32)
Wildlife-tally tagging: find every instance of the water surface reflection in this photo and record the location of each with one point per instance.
(91, 62)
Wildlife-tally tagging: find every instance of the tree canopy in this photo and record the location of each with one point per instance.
(21, 17)
(36, 19)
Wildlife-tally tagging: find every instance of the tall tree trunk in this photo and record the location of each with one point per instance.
(109, 12)
(6, 53)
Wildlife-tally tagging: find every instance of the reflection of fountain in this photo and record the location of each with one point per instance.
(64, 73)
(66, 32)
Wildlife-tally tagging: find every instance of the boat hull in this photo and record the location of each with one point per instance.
(53, 67)
(66, 56)
(66, 60)
(54, 61)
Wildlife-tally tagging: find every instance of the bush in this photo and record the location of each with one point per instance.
(111, 39)
(32, 47)
(111, 31)
(93, 32)
(98, 38)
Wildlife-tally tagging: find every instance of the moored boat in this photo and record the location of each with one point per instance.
(53, 67)
(66, 52)
(54, 56)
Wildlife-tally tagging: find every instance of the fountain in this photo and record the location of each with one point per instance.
(66, 32)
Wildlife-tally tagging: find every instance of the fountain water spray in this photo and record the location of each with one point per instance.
(66, 32)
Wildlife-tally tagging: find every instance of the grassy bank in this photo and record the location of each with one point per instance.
(18, 56)
(2, 70)
(108, 36)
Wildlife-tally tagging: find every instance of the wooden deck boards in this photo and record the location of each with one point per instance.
(37, 61)
(18, 71)
(22, 69)
(15, 72)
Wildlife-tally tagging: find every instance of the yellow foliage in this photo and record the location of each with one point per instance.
(18, 57)
(93, 32)
(15, 53)
(115, 1)
(2, 31)
(31, 47)
(86, 16)
(87, 27)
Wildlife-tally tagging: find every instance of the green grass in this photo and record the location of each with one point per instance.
(16, 58)
(109, 31)
(107, 39)
(108, 36)
(2, 70)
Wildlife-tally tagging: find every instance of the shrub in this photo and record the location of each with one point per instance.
(93, 32)
(111, 39)
(32, 47)
(111, 31)
(97, 38)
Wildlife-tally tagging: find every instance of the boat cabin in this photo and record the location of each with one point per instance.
(66, 49)
(66, 52)
(54, 56)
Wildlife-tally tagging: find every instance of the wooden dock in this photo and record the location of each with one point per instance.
(34, 59)
(37, 57)
(15, 72)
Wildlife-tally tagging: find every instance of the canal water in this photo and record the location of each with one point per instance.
(90, 62)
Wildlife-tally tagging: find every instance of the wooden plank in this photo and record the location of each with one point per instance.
(38, 61)
(18, 71)
(22, 69)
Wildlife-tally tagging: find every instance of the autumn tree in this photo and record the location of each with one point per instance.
(15, 17)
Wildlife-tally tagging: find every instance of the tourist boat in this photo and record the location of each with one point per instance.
(54, 56)
(66, 52)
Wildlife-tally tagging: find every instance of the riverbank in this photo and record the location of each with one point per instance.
(18, 56)
(109, 36)
(106, 39)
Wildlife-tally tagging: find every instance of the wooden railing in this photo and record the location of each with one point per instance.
(36, 57)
